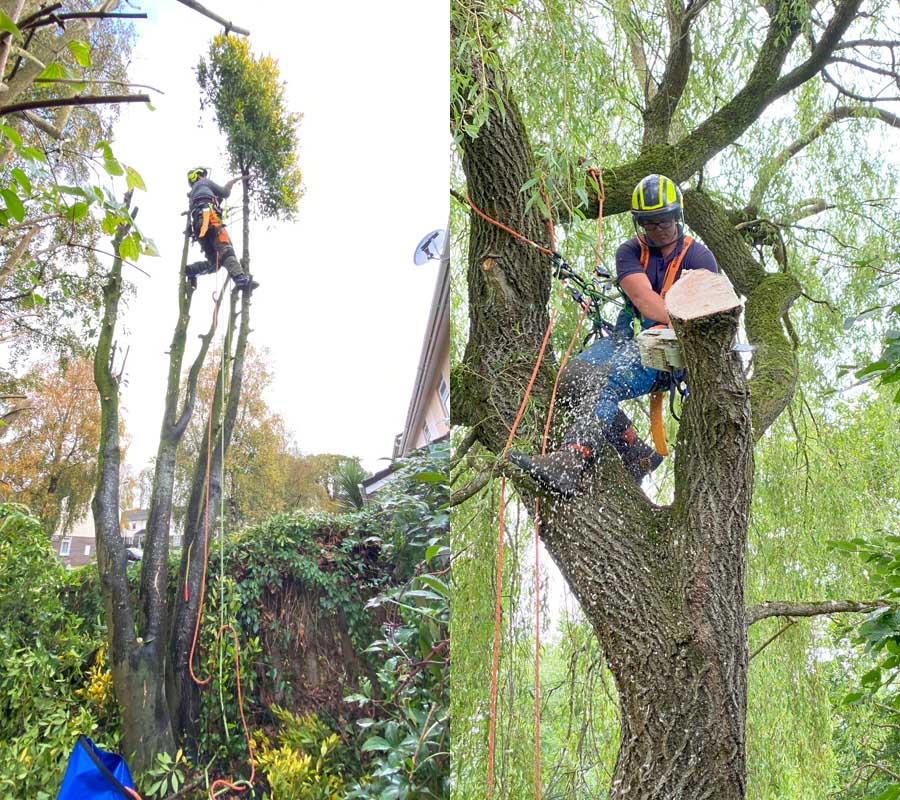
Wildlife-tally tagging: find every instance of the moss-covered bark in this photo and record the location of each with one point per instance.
(662, 587)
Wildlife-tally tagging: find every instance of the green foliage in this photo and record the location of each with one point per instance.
(347, 480)
(54, 681)
(166, 776)
(876, 695)
(305, 762)
(407, 734)
(886, 368)
(248, 99)
(52, 228)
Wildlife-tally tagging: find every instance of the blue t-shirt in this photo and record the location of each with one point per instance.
(628, 261)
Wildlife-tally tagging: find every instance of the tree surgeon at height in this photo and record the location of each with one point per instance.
(594, 382)
(205, 199)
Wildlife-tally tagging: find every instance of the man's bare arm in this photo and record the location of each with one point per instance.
(638, 289)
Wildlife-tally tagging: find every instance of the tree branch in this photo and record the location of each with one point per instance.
(776, 608)
(81, 100)
(464, 447)
(472, 488)
(837, 114)
(229, 26)
(661, 107)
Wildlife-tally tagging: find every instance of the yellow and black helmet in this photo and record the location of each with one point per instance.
(655, 196)
(196, 173)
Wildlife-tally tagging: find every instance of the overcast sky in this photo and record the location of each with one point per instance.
(341, 307)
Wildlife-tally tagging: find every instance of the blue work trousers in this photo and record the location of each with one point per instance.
(628, 378)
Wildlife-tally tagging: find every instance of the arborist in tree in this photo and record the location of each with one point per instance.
(595, 381)
(208, 228)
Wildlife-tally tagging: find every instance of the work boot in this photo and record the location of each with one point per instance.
(191, 271)
(560, 471)
(640, 459)
(637, 456)
(243, 282)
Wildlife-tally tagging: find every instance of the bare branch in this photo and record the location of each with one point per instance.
(229, 26)
(771, 639)
(464, 447)
(18, 251)
(855, 95)
(82, 100)
(776, 608)
(42, 125)
(472, 488)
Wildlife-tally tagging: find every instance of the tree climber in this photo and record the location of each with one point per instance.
(205, 200)
(595, 381)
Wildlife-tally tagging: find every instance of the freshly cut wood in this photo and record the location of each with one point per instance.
(701, 293)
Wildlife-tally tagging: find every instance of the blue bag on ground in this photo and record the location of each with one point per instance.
(94, 774)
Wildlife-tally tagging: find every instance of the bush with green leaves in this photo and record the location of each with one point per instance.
(874, 775)
(406, 732)
(305, 761)
(53, 676)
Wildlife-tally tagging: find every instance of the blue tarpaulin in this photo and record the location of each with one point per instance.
(94, 774)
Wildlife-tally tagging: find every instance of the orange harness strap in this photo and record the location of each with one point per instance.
(657, 427)
(674, 264)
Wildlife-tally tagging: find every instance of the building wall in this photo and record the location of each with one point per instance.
(436, 418)
(82, 548)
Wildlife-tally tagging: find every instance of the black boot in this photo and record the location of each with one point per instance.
(191, 271)
(243, 282)
(637, 456)
(640, 459)
(560, 471)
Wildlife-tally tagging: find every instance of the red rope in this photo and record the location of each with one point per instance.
(510, 231)
(499, 584)
(237, 664)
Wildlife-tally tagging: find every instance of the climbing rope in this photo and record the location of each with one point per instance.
(241, 785)
(585, 306)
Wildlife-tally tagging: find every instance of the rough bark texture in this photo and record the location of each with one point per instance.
(136, 663)
(662, 587)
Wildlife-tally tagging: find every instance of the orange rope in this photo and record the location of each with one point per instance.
(510, 231)
(499, 584)
(237, 665)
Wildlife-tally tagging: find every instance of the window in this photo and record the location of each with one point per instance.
(444, 394)
(87, 549)
(65, 546)
(427, 432)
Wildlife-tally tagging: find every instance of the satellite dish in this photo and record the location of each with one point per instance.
(430, 247)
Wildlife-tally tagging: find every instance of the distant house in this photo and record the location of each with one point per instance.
(428, 415)
(79, 546)
(134, 528)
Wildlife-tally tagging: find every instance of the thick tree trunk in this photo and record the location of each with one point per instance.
(137, 666)
(201, 521)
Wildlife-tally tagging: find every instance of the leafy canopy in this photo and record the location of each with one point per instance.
(250, 108)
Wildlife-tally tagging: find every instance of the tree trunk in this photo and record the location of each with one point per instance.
(137, 666)
(201, 521)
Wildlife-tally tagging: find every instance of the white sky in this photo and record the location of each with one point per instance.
(341, 307)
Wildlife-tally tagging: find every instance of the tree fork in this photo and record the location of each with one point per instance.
(136, 665)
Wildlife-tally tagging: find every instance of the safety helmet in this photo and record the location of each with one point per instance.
(656, 196)
(196, 173)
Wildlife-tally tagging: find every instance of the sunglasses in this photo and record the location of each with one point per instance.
(659, 225)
